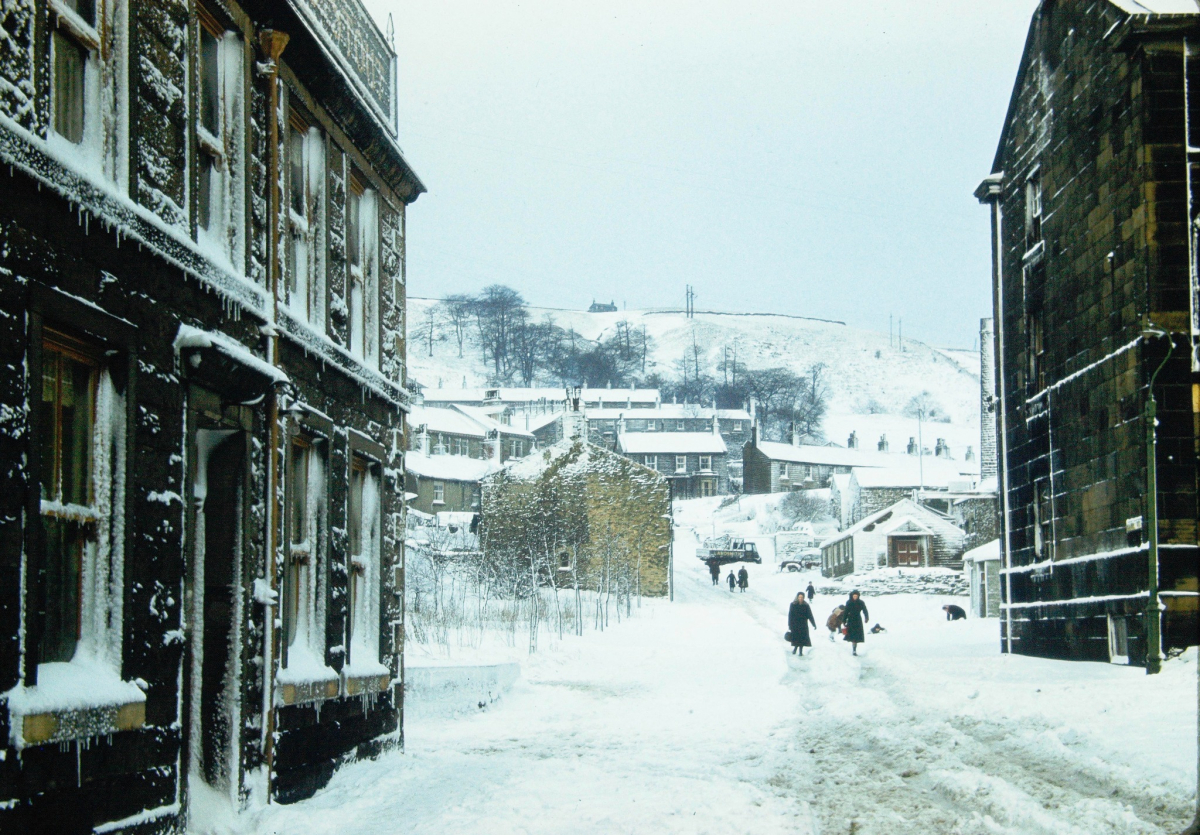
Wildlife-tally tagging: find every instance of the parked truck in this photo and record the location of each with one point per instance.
(723, 550)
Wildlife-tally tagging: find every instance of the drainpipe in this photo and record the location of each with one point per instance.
(1153, 615)
(989, 191)
(272, 44)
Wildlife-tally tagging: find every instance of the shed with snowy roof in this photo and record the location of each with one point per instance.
(903, 535)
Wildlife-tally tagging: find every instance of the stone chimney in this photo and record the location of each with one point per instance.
(883, 444)
(912, 446)
(942, 449)
(574, 423)
(852, 441)
(988, 413)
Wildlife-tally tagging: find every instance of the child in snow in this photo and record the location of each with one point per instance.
(730, 579)
(835, 621)
(811, 592)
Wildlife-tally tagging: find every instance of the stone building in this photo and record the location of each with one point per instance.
(773, 467)
(588, 515)
(450, 450)
(202, 388)
(1095, 310)
(695, 463)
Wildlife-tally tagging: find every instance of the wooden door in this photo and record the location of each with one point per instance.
(908, 551)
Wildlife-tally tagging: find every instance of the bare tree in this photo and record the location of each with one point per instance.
(497, 310)
(457, 309)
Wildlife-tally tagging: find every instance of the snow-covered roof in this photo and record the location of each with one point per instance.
(666, 411)
(485, 420)
(451, 421)
(668, 443)
(733, 414)
(987, 552)
(448, 467)
(535, 422)
(894, 517)
(536, 394)
(829, 456)
(911, 471)
(841, 481)
(1157, 7)
(580, 457)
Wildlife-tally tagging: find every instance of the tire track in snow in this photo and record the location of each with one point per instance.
(872, 761)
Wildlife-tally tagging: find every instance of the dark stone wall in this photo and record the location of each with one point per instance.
(1101, 127)
(63, 259)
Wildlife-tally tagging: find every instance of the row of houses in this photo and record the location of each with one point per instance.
(202, 385)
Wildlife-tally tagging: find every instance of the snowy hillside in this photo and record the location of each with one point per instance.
(865, 374)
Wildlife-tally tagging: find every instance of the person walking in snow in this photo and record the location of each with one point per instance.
(714, 570)
(743, 578)
(810, 591)
(854, 616)
(835, 621)
(954, 612)
(730, 579)
(799, 617)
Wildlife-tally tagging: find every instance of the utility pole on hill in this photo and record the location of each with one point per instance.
(691, 302)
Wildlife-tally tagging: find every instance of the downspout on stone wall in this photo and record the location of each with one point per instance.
(272, 44)
(989, 192)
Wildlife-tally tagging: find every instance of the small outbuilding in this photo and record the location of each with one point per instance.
(982, 566)
(903, 535)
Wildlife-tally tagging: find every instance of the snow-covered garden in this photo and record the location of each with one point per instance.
(692, 716)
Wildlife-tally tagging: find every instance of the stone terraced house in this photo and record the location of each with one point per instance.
(1096, 312)
(202, 398)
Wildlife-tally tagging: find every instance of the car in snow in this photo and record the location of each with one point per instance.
(806, 560)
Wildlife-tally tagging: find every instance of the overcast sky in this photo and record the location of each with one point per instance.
(815, 158)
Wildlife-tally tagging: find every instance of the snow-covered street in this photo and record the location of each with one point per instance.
(693, 717)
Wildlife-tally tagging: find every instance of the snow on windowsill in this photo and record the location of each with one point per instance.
(306, 678)
(75, 178)
(313, 341)
(84, 696)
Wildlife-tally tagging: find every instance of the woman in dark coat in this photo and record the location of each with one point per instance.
(853, 617)
(799, 617)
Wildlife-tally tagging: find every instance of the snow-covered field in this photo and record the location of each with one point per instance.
(692, 717)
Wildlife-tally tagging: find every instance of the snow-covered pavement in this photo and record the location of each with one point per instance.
(693, 718)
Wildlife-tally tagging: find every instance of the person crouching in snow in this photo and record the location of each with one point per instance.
(743, 578)
(854, 617)
(954, 612)
(799, 617)
(835, 621)
(730, 579)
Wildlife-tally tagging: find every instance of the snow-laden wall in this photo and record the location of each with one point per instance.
(444, 690)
